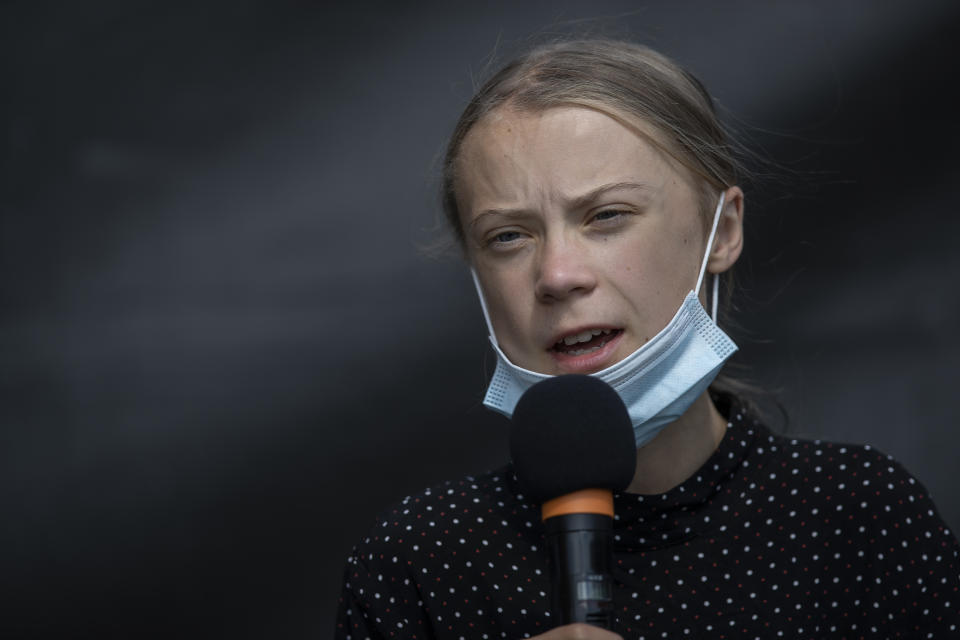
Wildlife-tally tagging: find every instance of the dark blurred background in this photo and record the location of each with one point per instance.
(224, 349)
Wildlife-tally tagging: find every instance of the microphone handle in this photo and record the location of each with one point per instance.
(581, 555)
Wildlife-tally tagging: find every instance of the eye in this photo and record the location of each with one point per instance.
(505, 240)
(609, 216)
(506, 237)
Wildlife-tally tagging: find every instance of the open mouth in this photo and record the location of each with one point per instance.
(587, 341)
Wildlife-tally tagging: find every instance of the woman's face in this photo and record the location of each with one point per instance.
(585, 238)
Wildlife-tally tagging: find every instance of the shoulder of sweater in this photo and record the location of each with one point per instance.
(420, 511)
(858, 475)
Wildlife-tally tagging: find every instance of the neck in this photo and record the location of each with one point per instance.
(680, 449)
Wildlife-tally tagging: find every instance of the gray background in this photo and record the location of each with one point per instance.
(223, 348)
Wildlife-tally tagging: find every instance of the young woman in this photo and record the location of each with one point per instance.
(595, 196)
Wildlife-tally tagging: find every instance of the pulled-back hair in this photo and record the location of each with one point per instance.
(629, 82)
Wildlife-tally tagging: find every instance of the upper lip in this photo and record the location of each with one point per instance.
(558, 337)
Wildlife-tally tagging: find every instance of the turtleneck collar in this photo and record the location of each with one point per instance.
(653, 521)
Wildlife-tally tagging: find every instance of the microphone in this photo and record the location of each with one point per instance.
(572, 445)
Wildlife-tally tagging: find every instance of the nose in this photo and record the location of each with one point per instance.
(563, 270)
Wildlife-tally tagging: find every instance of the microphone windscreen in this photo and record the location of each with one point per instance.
(569, 433)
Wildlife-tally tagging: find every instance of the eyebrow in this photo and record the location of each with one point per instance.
(507, 213)
(593, 194)
(574, 203)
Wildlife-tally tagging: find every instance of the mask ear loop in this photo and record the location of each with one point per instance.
(716, 295)
(483, 306)
(706, 255)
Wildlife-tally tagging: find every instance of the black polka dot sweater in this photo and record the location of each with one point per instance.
(772, 538)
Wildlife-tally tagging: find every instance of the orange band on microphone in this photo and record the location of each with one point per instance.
(583, 501)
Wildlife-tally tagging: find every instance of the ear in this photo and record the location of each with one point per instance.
(728, 242)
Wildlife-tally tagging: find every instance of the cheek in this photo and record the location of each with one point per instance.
(653, 278)
(502, 290)
(678, 256)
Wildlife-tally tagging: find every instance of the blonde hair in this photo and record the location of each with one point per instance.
(629, 82)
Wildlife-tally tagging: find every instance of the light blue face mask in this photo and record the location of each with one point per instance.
(659, 381)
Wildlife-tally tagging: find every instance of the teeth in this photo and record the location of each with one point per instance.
(584, 336)
(580, 337)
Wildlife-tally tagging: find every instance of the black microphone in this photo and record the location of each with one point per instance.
(572, 445)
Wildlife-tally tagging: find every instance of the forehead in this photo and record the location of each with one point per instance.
(512, 156)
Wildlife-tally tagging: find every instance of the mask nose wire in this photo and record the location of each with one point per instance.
(706, 255)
